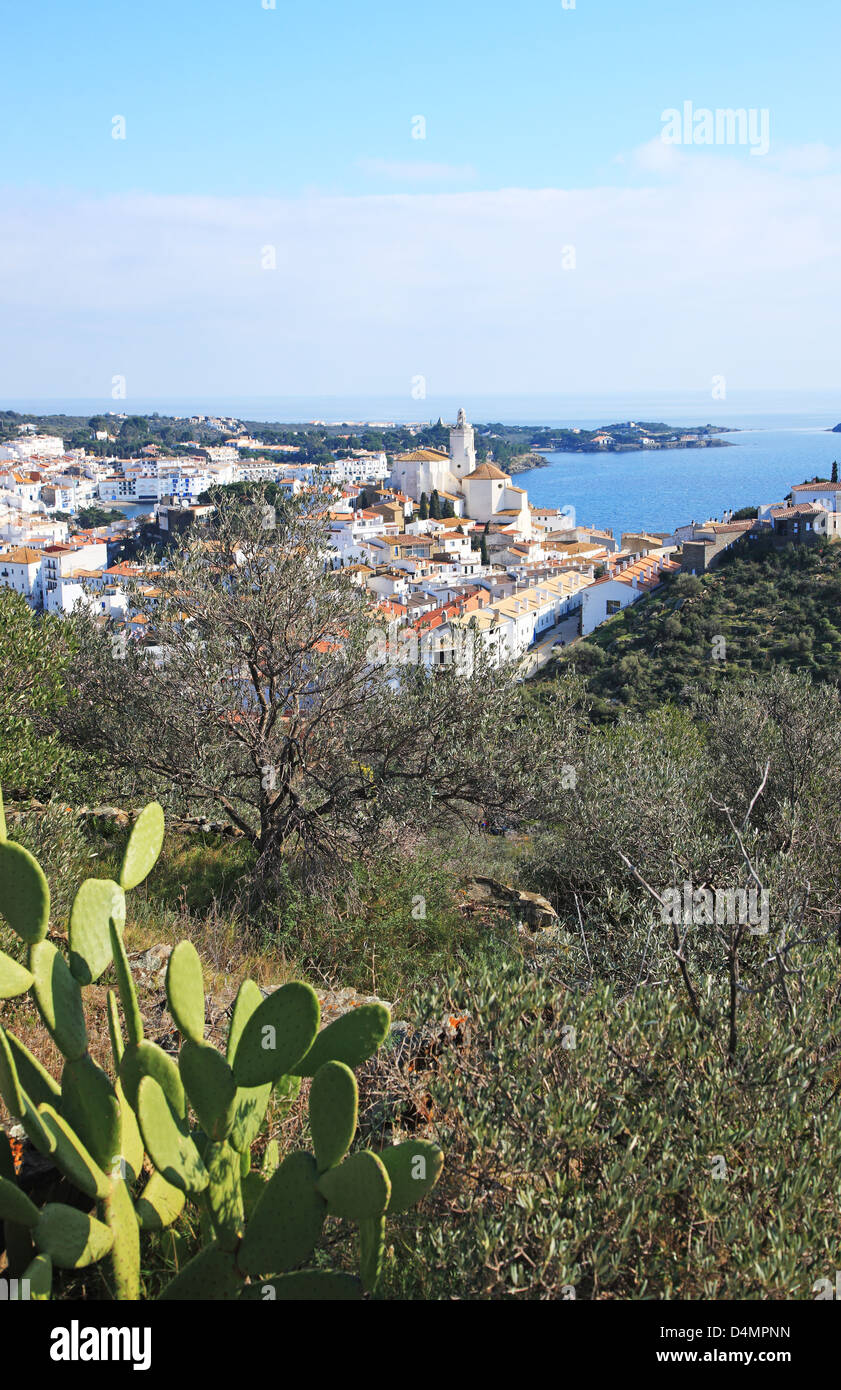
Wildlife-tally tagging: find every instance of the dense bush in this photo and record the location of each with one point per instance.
(603, 1144)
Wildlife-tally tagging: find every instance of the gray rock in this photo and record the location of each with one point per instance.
(533, 910)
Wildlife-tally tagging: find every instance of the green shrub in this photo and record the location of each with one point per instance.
(601, 1142)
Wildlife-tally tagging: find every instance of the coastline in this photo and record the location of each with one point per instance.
(524, 463)
(671, 487)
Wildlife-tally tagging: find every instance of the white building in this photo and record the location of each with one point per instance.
(19, 526)
(24, 485)
(222, 453)
(826, 495)
(629, 581)
(117, 489)
(491, 496)
(20, 569)
(67, 494)
(422, 471)
(509, 626)
(258, 471)
(60, 561)
(431, 470)
(34, 446)
(148, 486)
(357, 468)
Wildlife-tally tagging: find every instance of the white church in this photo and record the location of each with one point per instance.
(487, 493)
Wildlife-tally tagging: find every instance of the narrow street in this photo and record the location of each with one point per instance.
(540, 653)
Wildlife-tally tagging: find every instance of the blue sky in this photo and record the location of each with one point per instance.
(292, 127)
(225, 97)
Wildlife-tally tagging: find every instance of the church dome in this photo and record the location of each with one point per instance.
(487, 470)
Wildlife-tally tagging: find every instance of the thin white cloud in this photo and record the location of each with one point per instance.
(654, 157)
(707, 265)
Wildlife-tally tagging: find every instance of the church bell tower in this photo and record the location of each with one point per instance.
(462, 448)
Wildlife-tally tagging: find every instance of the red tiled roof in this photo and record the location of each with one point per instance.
(800, 509)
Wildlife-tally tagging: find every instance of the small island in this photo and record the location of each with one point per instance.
(519, 448)
(611, 439)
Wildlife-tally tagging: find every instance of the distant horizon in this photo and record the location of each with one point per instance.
(809, 409)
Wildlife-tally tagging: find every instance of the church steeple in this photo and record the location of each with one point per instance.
(462, 447)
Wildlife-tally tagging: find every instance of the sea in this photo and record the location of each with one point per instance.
(775, 439)
(656, 490)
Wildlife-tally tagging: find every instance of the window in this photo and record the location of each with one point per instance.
(613, 606)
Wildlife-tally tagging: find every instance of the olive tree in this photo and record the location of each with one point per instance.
(255, 694)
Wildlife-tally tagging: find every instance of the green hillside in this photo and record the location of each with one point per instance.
(770, 607)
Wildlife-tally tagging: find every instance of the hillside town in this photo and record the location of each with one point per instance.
(440, 542)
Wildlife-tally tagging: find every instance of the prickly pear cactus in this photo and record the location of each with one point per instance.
(161, 1134)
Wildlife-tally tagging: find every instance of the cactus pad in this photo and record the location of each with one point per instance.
(209, 1083)
(121, 1219)
(24, 892)
(271, 1158)
(35, 1129)
(16, 1206)
(286, 1221)
(98, 902)
(168, 1140)
(248, 1000)
(371, 1249)
(334, 1100)
(70, 1155)
(359, 1188)
(14, 979)
(40, 1276)
(414, 1168)
(250, 1108)
(160, 1204)
(89, 1105)
(34, 1079)
(115, 1032)
(131, 1141)
(277, 1035)
(70, 1237)
(144, 846)
(185, 990)
(224, 1194)
(125, 985)
(147, 1059)
(10, 1087)
(351, 1039)
(59, 1000)
(212, 1274)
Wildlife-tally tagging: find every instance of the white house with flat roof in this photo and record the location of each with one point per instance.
(20, 569)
